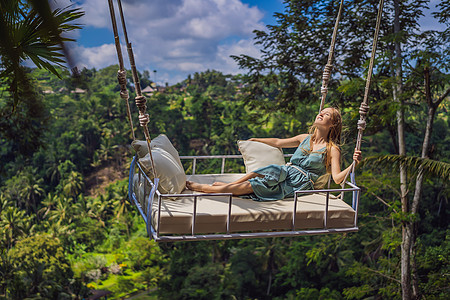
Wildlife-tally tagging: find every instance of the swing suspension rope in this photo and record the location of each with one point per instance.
(140, 100)
(329, 66)
(121, 74)
(364, 107)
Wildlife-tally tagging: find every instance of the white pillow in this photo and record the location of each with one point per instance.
(168, 165)
(257, 155)
(161, 141)
(140, 147)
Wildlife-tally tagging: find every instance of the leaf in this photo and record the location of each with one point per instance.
(431, 168)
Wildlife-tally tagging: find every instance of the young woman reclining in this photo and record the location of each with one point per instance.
(317, 153)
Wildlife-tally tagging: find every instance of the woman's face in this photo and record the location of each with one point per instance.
(324, 118)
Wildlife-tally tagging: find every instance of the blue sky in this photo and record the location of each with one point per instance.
(177, 37)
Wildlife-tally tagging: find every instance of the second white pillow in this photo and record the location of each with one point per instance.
(257, 155)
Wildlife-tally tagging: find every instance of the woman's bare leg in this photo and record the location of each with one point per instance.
(240, 180)
(237, 189)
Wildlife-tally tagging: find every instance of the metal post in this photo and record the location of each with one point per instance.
(139, 190)
(352, 180)
(229, 214)
(145, 185)
(194, 215)
(294, 215)
(223, 165)
(325, 221)
(159, 215)
(194, 164)
(357, 205)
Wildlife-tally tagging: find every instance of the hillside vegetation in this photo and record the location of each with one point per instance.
(60, 238)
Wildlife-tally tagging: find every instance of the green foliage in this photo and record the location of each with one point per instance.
(89, 132)
(144, 254)
(433, 262)
(431, 168)
(203, 282)
(40, 269)
(55, 147)
(28, 30)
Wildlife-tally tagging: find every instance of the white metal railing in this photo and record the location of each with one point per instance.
(222, 157)
(154, 229)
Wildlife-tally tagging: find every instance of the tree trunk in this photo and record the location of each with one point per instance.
(432, 107)
(406, 225)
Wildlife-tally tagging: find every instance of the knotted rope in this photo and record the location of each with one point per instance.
(140, 100)
(121, 73)
(329, 66)
(364, 108)
(121, 77)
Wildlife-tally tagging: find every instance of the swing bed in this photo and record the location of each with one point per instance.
(192, 216)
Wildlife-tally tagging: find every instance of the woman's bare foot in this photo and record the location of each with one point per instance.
(194, 186)
(218, 183)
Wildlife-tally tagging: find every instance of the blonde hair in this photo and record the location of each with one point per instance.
(333, 138)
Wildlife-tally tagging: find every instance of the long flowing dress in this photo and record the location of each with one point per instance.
(300, 173)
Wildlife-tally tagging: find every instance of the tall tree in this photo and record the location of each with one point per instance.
(404, 48)
(294, 52)
(28, 30)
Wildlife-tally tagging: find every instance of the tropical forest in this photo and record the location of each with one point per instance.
(68, 229)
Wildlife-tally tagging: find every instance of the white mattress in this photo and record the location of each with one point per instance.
(246, 214)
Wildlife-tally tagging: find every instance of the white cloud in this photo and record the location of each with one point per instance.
(94, 57)
(96, 13)
(175, 36)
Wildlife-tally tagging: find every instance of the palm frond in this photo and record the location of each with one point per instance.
(430, 167)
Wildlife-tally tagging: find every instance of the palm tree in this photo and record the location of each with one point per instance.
(58, 230)
(429, 167)
(52, 164)
(100, 208)
(120, 201)
(4, 202)
(73, 184)
(49, 203)
(271, 253)
(7, 271)
(12, 225)
(81, 207)
(29, 30)
(31, 189)
(32, 31)
(62, 212)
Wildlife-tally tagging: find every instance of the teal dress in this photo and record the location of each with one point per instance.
(281, 182)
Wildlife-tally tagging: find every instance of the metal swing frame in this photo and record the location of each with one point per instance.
(154, 232)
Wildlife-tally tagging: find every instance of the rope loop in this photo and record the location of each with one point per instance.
(361, 124)
(122, 77)
(364, 109)
(325, 79)
(140, 102)
(327, 72)
(144, 119)
(124, 94)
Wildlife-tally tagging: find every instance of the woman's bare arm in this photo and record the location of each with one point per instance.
(336, 173)
(282, 143)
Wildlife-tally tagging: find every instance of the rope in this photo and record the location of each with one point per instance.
(364, 108)
(140, 100)
(121, 73)
(329, 66)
